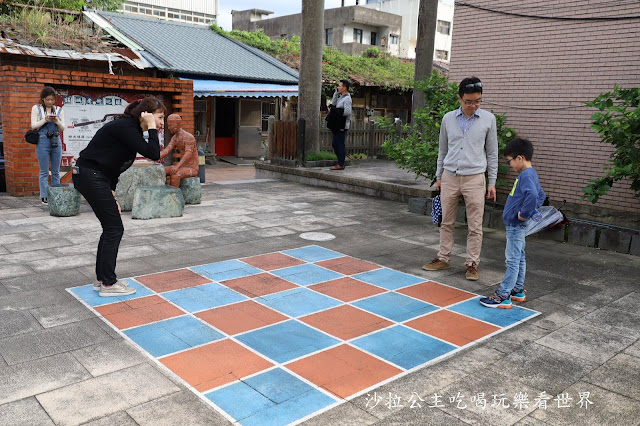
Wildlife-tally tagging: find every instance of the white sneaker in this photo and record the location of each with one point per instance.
(118, 289)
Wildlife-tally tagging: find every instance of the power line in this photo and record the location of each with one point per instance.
(556, 18)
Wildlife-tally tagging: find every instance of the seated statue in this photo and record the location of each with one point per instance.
(185, 143)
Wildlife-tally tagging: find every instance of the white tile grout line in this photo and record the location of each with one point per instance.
(275, 365)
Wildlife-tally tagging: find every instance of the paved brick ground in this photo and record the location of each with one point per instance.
(60, 364)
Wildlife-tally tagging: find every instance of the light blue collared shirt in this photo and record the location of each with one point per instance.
(464, 122)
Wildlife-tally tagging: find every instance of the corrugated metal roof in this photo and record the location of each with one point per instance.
(9, 46)
(237, 89)
(197, 50)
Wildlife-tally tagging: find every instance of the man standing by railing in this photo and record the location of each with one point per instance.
(340, 103)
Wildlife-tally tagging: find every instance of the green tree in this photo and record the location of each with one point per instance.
(618, 123)
(75, 4)
(418, 150)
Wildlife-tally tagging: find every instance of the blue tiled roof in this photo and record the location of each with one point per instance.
(196, 50)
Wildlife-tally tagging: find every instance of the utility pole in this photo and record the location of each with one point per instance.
(310, 83)
(427, 17)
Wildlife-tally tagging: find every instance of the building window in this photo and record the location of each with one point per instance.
(444, 27)
(442, 54)
(357, 35)
(328, 36)
(393, 39)
(268, 108)
(374, 38)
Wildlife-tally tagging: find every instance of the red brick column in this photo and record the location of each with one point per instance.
(19, 90)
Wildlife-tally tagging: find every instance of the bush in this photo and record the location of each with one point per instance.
(618, 124)
(320, 156)
(418, 151)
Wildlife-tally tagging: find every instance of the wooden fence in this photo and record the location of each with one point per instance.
(285, 140)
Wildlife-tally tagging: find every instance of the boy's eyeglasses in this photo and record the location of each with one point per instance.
(472, 86)
(470, 103)
(509, 160)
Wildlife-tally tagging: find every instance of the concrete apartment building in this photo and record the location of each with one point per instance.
(351, 29)
(408, 9)
(203, 12)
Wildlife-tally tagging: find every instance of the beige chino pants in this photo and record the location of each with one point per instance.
(473, 190)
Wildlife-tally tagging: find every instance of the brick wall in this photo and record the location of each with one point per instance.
(20, 88)
(540, 72)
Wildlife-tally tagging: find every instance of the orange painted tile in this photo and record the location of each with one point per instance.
(259, 285)
(172, 280)
(215, 364)
(347, 265)
(346, 322)
(268, 262)
(343, 370)
(452, 327)
(241, 317)
(436, 294)
(135, 312)
(346, 289)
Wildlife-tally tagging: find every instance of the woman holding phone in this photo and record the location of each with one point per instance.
(48, 120)
(95, 175)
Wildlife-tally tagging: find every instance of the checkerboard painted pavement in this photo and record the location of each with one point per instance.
(281, 337)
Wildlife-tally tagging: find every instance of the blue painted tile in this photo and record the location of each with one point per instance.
(394, 306)
(278, 385)
(290, 410)
(172, 335)
(499, 317)
(287, 340)
(313, 253)
(298, 301)
(239, 400)
(194, 299)
(226, 270)
(272, 398)
(92, 298)
(388, 278)
(307, 274)
(402, 346)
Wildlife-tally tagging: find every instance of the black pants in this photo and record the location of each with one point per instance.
(95, 188)
(337, 143)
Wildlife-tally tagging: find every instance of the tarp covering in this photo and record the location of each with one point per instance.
(238, 89)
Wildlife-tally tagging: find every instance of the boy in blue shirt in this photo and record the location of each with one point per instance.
(525, 197)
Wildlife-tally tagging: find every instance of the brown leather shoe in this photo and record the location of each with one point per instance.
(336, 168)
(472, 273)
(436, 265)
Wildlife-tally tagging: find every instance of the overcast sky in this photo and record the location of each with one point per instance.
(279, 7)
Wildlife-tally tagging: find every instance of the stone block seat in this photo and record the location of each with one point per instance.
(191, 190)
(64, 201)
(151, 202)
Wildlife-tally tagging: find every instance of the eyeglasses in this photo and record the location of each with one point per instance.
(473, 103)
(509, 160)
(473, 86)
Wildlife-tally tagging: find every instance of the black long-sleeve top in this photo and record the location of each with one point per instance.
(113, 148)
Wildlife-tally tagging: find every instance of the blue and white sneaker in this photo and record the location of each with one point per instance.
(519, 296)
(496, 301)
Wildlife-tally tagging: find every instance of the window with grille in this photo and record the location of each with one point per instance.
(444, 27)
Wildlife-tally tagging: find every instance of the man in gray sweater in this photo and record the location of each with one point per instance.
(468, 147)
(342, 101)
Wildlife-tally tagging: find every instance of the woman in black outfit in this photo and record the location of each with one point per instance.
(112, 151)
